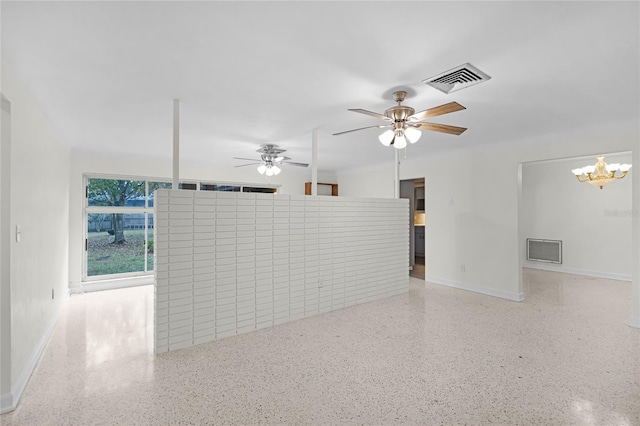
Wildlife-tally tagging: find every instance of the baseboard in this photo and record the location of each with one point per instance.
(89, 286)
(634, 322)
(516, 297)
(6, 403)
(559, 268)
(9, 402)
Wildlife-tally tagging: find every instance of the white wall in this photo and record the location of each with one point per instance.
(635, 236)
(291, 181)
(472, 201)
(556, 206)
(40, 206)
(371, 182)
(5, 254)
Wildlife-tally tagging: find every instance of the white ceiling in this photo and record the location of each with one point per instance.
(248, 73)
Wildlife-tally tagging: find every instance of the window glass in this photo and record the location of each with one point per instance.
(226, 188)
(150, 243)
(115, 243)
(115, 192)
(185, 185)
(156, 185)
(257, 189)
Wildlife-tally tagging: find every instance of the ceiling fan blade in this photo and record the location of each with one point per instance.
(247, 159)
(434, 112)
(361, 128)
(443, 128)
(371, 113)
(244, 165)
(293, 163)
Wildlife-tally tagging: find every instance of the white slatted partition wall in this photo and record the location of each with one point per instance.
(228, 263)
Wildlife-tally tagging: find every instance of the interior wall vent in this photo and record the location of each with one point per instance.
(544, 250)
(458, 78)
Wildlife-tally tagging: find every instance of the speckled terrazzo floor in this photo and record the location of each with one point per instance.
(432, 356)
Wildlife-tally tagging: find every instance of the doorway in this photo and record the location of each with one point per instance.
(414, 191)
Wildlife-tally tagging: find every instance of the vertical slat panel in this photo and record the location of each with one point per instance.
(229, 263)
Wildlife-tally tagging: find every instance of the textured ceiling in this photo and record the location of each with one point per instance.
(105, 73)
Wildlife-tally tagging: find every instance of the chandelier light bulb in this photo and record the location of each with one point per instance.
(625, 167)
(386, 137)
(276, 170)
(400, 142)
(577, 172)
(412, 134)
(269, 171)
(262, 168)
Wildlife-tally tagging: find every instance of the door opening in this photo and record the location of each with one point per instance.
(414, 190)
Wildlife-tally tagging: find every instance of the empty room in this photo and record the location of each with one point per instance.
(326, 213)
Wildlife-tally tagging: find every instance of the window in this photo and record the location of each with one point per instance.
(191, 186)
(119, 222)
(119, 226)
(225, 188)
(261, 190)
(115, 192)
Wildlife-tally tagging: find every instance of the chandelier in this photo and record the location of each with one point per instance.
(269, 165)
(602, 173)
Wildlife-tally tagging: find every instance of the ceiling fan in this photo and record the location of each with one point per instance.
(403, 122)
(270, 159)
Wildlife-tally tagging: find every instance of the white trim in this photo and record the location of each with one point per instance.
(112, 284)
(634, 322)
(576, 271)
(9, 402)
(118, 276)
(6, 403)
(516, 297)
(116, 209)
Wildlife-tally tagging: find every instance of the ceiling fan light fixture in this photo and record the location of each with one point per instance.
(262, 168)
(269, 171)
(400, 142)
(276, 170)
(386, 137)
(412, 134)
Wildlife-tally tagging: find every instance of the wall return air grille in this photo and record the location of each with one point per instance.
(544, 250)
(458, 78)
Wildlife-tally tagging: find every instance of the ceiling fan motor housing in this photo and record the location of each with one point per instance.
(399, 113)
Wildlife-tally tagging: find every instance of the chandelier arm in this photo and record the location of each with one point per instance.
(582, 179)
(621, 176)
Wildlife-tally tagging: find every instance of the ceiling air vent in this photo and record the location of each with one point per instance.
(457, 78)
